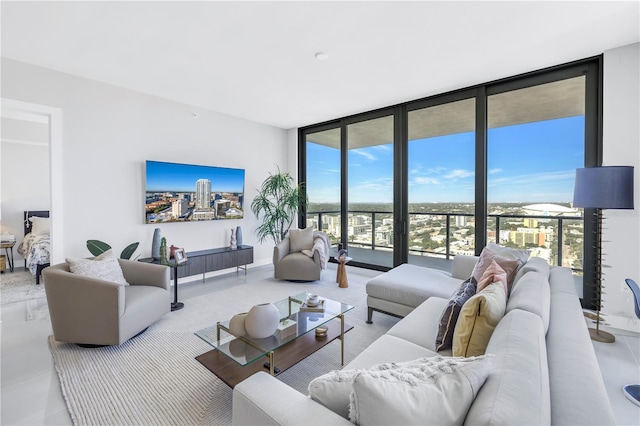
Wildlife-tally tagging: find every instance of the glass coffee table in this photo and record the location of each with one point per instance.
(233, 359)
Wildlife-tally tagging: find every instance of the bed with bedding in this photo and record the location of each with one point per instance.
(36, 247)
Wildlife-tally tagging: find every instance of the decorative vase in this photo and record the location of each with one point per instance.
(236, 324)
(238, 236)
(155, 244)
(262, 321)
(172, 251)
(233, 243)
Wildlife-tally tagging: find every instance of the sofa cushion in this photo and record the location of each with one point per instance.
(532, 294)
(494, 273)
(536, 264)
(487, 256)
(449, 316)
(433, 391)
(410, 285)
(517, 390)
(103, 267)
(478, 318)
(388, 348)
(301, 239)
(421, 325)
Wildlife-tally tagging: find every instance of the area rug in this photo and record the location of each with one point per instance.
(18, 286)
(154, 378)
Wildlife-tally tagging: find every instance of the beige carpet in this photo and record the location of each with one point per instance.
(154, 378)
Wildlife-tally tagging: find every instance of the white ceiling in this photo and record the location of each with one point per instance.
(256, 59)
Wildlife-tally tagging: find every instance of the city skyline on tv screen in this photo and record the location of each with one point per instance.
(187, 192)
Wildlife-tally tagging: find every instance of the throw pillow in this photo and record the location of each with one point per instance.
(40, 225)
(493, 274)
(510, 253)
(478, 318)
(103, 267)
(332, 390)
(438, 391)
(510, 266)
(300, 239)
(450, 314)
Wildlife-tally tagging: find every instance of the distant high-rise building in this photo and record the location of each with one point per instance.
(179, 207)
(203, 195)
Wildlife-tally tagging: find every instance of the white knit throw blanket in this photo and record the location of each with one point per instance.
(320, 245)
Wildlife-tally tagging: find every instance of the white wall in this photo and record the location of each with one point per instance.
(621, 140)
(109, 132)
(25, 175)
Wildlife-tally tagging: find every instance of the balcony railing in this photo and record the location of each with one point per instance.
(496, 223)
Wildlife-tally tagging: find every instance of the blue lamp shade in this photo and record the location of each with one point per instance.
(609, 187)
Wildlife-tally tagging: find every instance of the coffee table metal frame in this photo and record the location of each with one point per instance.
(267, 347)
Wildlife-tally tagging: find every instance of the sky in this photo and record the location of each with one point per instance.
(174, 177)
(532, 162)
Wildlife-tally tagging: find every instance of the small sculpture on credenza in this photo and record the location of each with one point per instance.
(233, 244)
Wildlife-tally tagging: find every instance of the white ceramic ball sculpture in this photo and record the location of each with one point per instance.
(262, 321)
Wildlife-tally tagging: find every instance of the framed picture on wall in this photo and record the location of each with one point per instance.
(180, 256)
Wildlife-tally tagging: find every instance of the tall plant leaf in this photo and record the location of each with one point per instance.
(129, 250)
(97, 247)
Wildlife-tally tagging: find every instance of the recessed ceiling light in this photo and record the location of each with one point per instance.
(321, 56)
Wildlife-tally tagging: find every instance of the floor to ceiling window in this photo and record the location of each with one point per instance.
(322, 182)
(370, 223)
(536, 140)
(441, 181)
(426, 180)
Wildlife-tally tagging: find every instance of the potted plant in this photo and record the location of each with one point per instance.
(277, 203)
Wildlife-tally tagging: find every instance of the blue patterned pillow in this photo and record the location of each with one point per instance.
(444, 339)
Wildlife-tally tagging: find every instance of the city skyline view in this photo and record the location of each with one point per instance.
(531, 162)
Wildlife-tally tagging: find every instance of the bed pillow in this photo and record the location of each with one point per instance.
(439, 391)
(450, 314)
(478, 318)
(300, 239)
(493, 274)
(103, 267)
(40, 225)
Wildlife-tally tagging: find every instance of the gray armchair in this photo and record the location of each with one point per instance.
(295, 266)
(91, 311)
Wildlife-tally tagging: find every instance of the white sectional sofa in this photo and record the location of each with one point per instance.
(544, 366)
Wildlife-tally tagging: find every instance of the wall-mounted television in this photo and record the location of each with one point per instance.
(187, 193)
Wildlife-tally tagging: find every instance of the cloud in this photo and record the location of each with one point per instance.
(425, 180)
(494, 171)
(459, 174)
(364, 154)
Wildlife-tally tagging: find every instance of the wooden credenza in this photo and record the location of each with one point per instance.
(203, 261)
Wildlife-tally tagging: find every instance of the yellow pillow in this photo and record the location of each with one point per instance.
(478, 318)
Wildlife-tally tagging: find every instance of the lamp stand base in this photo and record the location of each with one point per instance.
(601, 336)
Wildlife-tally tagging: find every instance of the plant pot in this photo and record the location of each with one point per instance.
(262, 321)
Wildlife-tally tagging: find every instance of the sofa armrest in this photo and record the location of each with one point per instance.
(281, 250)
(264, 400)
(141, 273)
(462, 266)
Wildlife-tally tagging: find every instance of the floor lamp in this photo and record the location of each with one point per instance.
(599, 188)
